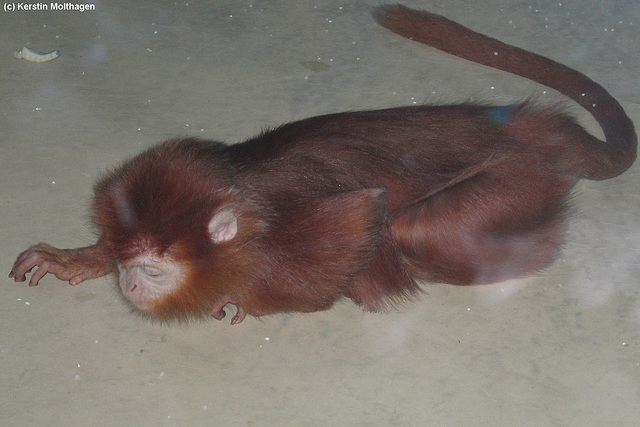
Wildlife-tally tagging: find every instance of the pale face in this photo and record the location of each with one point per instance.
(147, 279)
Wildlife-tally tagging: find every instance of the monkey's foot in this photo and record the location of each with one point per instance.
(218, 311)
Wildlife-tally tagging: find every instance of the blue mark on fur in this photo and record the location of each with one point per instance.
(502, 115)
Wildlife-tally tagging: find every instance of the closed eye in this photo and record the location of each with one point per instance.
(151, 271)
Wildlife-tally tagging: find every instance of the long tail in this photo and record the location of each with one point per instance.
(620, 145)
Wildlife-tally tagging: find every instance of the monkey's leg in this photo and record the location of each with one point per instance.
(74, 265)
(502, 223)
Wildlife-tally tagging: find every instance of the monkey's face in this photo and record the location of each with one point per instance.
(147, 279)
(170, 282)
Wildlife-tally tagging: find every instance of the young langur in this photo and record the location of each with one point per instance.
(357, 204)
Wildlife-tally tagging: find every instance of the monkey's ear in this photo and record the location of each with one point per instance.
(223, 226)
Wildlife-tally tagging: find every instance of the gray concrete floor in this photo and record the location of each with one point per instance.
(558, 349)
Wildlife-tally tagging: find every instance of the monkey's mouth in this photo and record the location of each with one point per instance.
(141, 300)
(144, 306)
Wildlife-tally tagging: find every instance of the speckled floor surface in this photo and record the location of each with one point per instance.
(558, 349)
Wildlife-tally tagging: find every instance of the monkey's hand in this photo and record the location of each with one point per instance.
(74, 265)
(219, 313)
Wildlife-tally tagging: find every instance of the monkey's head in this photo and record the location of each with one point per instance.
(173, 225)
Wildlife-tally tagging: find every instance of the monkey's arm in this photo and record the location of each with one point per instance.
(74, 265)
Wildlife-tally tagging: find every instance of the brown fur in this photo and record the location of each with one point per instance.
(360, 204)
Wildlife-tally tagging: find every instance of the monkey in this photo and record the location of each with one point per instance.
(359, 205)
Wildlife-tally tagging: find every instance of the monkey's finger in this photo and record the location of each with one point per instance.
(22, 257)
(75, 280)
(31, 254)
(37, 275)
(218, 314)
(20, 270)
(239, 317)
(12, 275)
(79, 278)
(17, 278)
